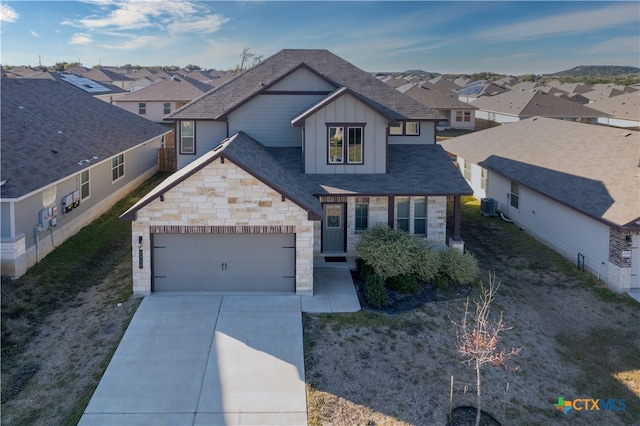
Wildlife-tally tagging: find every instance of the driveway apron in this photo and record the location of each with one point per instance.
(206, 360)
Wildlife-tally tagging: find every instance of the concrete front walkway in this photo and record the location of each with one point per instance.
(213, 359)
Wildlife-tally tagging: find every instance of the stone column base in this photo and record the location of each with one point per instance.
(456, 243)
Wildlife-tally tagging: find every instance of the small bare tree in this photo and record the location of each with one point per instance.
(478, 334)
(247, 55)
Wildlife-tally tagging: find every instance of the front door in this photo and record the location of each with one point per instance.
(334, 228)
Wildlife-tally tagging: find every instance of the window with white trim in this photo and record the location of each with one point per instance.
(466, 170)
(142, 108)
(166, 108)
(85, 185)
(187, 137)
(117, 167)
(483, 178)
(514, 199)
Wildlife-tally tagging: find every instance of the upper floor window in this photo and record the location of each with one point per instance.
(187, 137)
(396, 130)
(514, 198)
(345, 144)
(142, 108)
(408, 128)
(167, 107)
(412, 128)
(117, 167)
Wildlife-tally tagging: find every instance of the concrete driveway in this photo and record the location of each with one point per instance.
(206, 360)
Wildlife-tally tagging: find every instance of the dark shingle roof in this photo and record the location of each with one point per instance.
(413, 170)
(49, 127)
(251, 156)
(591, 168)
(219, 102)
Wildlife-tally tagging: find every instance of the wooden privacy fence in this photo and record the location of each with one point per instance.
(167, 154)
(167, 160)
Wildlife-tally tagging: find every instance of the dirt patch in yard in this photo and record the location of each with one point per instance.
(64, 358)
(578, 341)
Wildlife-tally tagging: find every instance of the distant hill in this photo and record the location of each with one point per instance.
(599, 73)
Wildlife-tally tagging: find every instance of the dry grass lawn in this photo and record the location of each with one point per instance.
(578, 339)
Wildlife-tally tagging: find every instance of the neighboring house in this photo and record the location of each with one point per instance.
(458, 114)
(604, 91)
(623, 110)
(478, 89)
(573, 186)
(314, 152)
(66, 157)
(156, 101)
(104, 75)
(516, 105)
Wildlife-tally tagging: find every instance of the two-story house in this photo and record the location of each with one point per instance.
(288, 161)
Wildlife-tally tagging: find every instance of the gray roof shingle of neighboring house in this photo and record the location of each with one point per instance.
(523, 103)
(624, 107)
(51, 130)
(427, 94)
(235, 92)
(103, 75)
(176, 88)
(603, 91)
(593, 169)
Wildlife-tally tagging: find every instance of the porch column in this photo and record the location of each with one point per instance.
(456, 217)
(390, 210)
(455, 241)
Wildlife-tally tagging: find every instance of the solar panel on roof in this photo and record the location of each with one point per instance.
(84, 83)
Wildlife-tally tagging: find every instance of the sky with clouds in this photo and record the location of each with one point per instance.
(447, 37)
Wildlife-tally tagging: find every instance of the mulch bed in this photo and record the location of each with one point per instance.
(466, 416)
(400, 302)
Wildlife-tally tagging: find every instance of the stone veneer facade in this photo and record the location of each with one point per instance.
(619, 277)
(222, 198)
(379, 213)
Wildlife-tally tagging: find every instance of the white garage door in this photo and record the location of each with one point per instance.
(223, 262)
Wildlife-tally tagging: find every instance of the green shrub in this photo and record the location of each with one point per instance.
(457, 266)
(376, 293)
(363, 268)
(406, 284)
(389, 252)
(427, 264)
(442, 282)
